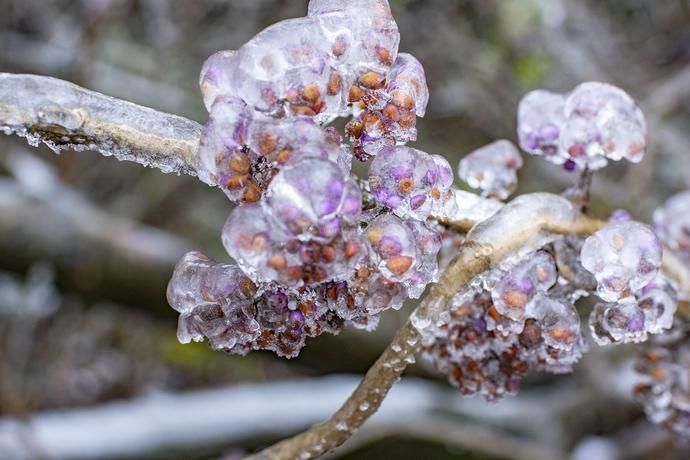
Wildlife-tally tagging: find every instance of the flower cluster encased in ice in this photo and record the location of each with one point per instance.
(495, 335)
(594, 123)
(298, 234)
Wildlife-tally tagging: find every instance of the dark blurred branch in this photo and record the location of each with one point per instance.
(65, 116)
(448, 431)
(91, 248)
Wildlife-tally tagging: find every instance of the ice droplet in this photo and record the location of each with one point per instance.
(412, 341)
(421, 323)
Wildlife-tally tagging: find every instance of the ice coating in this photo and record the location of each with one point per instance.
(241, 150)
(374, 8)
(558, 320)
(407, 86)
(285, 63)
(198, 280)
(540, 120)
(475, 359)
(305, 229)
(567, 251)
(215, 302)
(222, 160)
(288, 140)
(651, 311)
(363, 35)
(603, 124)
(623, 257)
(404, 251)
(586, 128)
(313, 199)
(379, 292)
(219, 304)
(621, 322)
(304, 66)
(468, 207)
(393, 244)
(83, 120)
(518, 287)
(428, 243)
(410, 182)
(213, 81)
(528, 208)
(658, 301)
(672, 223)
(492, 169)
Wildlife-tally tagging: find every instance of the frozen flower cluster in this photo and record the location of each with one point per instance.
(303, 232)
(584, 129)
(314, 251)
(522, 317)
(242, 149)
(637, 299)
(410, 182)
(519, 320)
(623, 257)
(386, 109)
(663, 387)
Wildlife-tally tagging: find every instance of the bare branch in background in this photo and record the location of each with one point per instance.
(39, 211)
(414, 408)
(65, 116)
(451, 432)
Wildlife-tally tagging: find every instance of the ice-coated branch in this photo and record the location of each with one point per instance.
(65, 116)
(529, 221)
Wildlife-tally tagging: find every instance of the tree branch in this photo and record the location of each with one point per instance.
(65, 116)
(527, 222)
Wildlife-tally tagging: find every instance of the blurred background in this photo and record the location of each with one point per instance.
(89, 363)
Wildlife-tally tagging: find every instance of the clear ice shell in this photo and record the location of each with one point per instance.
(492, 169)
(623, 257)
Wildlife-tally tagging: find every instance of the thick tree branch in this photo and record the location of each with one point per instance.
(527, 221)
(65, 116)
